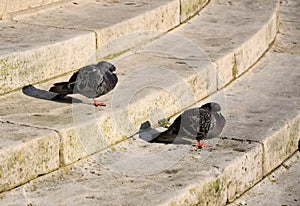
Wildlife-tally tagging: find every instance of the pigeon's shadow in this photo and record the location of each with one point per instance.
(31, 91)
(147, 133)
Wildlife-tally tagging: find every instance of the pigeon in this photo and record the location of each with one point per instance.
(91, 81)
(198, 123)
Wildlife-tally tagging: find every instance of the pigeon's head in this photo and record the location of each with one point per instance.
(212, 106)
(106, 65)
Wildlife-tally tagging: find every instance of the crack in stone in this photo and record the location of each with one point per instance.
(167, 56)
(240, 140)
(27, 125)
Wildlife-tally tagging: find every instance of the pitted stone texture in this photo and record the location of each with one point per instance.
(7, 8)
(228, 42)
(136, 22)
(30, 54)
(188, 180)
(209, 192)
(281, 187)
(72, 122)
(247, 54)
(25, 153)
(289, 31)
(243, 173)
(2, 7)
(189, 7)
(281, 145)
(280, 116)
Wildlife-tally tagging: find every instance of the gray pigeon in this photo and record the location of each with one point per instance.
(196, 123)
(91, 81)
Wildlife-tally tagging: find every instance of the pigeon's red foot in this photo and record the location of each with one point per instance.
(97, 104)
(201, 145)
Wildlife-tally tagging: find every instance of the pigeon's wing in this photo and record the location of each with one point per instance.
(195, 123)
(73, 78)
(88, 80)
(65, 88)
(217, 125)
(170, 134)
(192, 124)
(62, 88)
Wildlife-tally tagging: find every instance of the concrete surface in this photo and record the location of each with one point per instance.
(190, 74)
(281, 187)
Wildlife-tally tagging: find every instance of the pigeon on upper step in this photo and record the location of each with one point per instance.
(91, 81)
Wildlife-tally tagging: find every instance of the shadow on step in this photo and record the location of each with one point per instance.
(46, 95)
(147, 133)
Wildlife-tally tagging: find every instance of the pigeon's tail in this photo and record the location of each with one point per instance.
(62, 88)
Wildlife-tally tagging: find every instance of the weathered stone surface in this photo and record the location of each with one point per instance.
(243, 173)
(189, 7)
(281, 115)
(140, 173)
(136, 22)
(228, 37)
(281, 145)
(289, 31)
(189, 75)
(281, 187)
(25, 153)
(57, 47)
(2, 7)
(85, 129)
(155, 173)
(9, 8)
(30, 54)
(246, 55)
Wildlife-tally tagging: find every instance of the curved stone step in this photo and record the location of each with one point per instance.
(182, 67)
(50, 42)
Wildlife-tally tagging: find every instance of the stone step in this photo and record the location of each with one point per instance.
(281, 187)
(182, 67)
(8, 9)
(50, 42)
(262, 110)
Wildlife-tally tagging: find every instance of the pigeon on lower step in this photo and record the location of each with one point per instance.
(198, 123)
